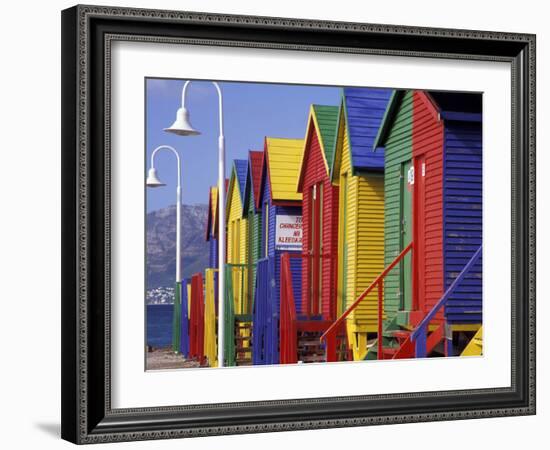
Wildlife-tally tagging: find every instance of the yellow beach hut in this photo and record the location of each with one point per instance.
(210, 277)
(359, 173)
(238, 319)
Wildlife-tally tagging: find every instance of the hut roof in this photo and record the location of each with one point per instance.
(324, 119)
(237, 178)
(256, 165)
(463, 106)
(240, 167)
(363, 110)
(283, 158)
(212, 216)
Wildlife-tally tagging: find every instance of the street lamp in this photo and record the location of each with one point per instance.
(182, 127)
(154, 182)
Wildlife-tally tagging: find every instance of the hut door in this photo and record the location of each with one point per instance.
(344, 249)
(419, 230)
(251, 257)
(406, 223)
(235, 269)
(316, 248)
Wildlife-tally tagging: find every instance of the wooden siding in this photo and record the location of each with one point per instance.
(268, 213)
(210, 332)
(358, 170)
(398, 149)
(314, 172)
(428, 242)
(283, 161)
(370, 246)
(364, 236)
(237, 234)
(463, 218)
(325, 118)
(256, 167)
(253, 198)
(211, 228)
(323, 121)
(275, 254)
(234, 214)
(254, 236)
(295, 263)
(212, 252)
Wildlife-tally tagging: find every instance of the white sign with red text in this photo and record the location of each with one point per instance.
(288, 232)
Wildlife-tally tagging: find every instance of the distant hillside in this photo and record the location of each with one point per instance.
(161, 244)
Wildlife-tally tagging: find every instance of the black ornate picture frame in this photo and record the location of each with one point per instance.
(87, 35)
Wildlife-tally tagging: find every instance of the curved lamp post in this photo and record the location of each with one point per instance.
(182, 127)
(153, 182)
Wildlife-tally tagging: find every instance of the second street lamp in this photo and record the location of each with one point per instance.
(182, 127)
(153, 182)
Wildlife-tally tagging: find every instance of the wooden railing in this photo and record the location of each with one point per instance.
(331, 334)
(237, 276)
(261, 312)
(229, 321)
(196, 321)
(237, 303)
(419, 334)
(182, 293)
(210, 338)
(287, 324)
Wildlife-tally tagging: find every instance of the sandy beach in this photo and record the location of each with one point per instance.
(164, 358)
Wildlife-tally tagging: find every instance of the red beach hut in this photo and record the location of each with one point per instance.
(433, 149)
(301, 332)
(320, 215)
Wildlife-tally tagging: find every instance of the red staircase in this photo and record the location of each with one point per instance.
(300, 336)
(419, 342)
(331, 334)
(406, 346)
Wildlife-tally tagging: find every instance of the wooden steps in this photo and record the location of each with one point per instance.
(243, 342)
(311, 349)
(398, 344)
(475, 346)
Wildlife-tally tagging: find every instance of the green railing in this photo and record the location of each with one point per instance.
(238, 302)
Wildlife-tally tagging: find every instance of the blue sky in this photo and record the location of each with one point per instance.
(251, 112)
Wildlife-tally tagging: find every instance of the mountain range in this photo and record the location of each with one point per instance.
(161, 244)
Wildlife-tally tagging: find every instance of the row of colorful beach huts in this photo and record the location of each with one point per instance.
(360, 240)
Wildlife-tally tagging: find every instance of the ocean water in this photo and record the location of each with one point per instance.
(159, 325)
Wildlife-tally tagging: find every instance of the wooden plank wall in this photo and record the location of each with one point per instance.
(428, 141)
(398, 150)
(463, 218)
(316, 172)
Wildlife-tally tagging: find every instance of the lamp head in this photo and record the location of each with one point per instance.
(182, 126)
(152, 179)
